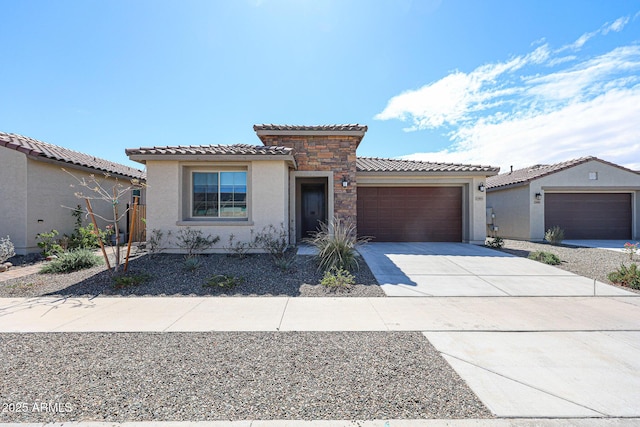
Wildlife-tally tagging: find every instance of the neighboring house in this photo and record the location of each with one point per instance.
(589, 198)
(34, 188)
(303, 175)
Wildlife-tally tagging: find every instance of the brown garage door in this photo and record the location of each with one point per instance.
(410, 214)
(589, 215)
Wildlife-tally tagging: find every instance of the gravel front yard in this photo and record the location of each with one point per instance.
(260, 277)
(587, 262)
(229, 376)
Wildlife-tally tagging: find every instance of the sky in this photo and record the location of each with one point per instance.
(501, 83)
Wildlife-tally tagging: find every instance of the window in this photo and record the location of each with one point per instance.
(219, 194)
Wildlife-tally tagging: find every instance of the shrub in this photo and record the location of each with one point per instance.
(48, 243)
(125, 281)
(631, 249)
(626, 276)
(83, 237)
(223, 281)
(337, 279)
(194, 242)
(554, 235)
(157, 242)
(238, 248)
(495, 243)
(545, 257)
(337, 249)
(192, 263)
(7, 250)
(276, 242)
(75, 260)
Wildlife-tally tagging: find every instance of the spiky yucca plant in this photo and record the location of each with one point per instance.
(337, 247)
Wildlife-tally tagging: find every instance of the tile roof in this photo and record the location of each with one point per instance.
(322, 128)
(375, 164)
(235, 149)
(33, 147)
(528, 174)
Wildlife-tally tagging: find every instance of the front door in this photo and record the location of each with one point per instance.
(313, 208)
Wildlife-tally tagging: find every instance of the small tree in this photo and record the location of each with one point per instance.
(93, 189)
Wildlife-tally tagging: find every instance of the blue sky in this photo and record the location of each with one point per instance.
(492, 82)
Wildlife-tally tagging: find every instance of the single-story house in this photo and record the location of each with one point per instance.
(302, 175)
(587, 197)
(34, 188)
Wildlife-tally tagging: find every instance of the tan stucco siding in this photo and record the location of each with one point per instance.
(473, 203)
(168, 194)
(511, 210)
(51, 195)
(13, 197)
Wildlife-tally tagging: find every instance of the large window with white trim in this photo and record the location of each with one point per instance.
(219, 194)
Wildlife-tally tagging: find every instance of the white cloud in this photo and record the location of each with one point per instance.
(501, 115)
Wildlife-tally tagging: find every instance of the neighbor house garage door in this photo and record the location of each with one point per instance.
(410, 214)
(589, 215)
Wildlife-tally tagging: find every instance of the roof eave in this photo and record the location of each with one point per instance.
(143, 158)
(430, 173)
(84, 168)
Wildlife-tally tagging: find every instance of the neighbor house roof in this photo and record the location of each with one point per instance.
(316, 128)
(38, 149)
(375, 164)
(528, 174)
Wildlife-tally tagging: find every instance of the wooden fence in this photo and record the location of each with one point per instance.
(139, 227)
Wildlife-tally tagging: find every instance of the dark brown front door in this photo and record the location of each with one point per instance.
(313, 208)
(410, 214)
(589, 215)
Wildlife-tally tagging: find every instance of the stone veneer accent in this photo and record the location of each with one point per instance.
(329, 152)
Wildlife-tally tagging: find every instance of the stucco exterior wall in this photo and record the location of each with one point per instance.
(473, 203)
(50, 196)
(13, 197)
(267, 191)
(511, 208)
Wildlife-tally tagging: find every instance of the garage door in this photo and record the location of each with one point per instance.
(589, 215)
(410, 214)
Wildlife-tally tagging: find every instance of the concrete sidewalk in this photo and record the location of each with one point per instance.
(524, 357)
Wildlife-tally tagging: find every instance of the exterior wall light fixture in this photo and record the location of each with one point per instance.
(481, 187)
(538, 196)
(345, 180)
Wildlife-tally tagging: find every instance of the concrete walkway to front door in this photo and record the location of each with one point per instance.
(460, 269)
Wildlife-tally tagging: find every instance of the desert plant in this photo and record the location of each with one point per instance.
(194, 242)
(7, 250)
(337, 279)
(238, 248)
(157, 241)
(192, 263)
(276, 242)
(75, 260)
(125, 281)
(223, 281)
(48, 243)
(495, 243)
(631, 249)
(545, 257)
(626, 276)
(83, 236)
(554, 235)
(337, 247)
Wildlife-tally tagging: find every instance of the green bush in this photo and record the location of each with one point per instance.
(83, 237)
(223, 281)
(125, 281)
(545, 257)
(192, 263)
(495, 243)
(626, 276)
(337, 249)
(48, 243)
(75, 260)
(337, 279)
(554, 235)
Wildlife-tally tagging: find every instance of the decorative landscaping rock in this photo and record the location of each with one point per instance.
(8, 264)
(51, 257)
(3, 268)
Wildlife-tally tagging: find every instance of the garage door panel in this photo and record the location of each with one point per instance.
(410, 213)
(589, 215)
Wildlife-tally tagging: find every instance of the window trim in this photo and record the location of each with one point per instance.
(186, 217)
(219, 196)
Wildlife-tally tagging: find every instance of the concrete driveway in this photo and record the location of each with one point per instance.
(460, 269)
